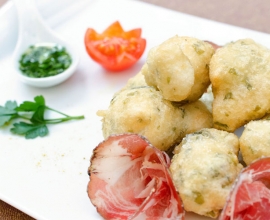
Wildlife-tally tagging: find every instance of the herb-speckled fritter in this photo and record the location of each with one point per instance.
(195, 116)
(255, 141)
(179, 68)
(240, 77)
(137, 81)
(204, 167)
(143, 111)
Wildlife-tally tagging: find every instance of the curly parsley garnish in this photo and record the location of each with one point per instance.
(33, 112)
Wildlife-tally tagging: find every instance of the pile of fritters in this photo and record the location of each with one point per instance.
(191, 96)
(161, 101)
(240, 77)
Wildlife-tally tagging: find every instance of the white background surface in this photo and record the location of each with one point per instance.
(47, 177)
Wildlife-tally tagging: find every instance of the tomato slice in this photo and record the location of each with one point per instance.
(250, 196)
(115, 49)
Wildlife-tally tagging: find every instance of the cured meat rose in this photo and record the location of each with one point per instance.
(129, 179)
(250, 196)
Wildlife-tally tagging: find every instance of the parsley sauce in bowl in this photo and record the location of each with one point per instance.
(41, 58)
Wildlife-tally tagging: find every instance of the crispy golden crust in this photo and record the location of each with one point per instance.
(170, 70)
(139, 108)
(199, 54)
(240, 77)
(254, 141)
(204, 168)
(195, 117)
(137, 81)
(144, 111)
(179, 68)
(149, 76)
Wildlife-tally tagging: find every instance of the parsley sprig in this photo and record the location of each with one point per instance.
(34, 113)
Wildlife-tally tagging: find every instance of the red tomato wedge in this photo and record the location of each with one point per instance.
(130, 179)
(250, 196)
(115, 49)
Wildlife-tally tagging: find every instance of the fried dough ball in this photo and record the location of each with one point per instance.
(179, 68)
(204, 168)
(137, 81)
(254, 141)
(150, 77)
(195, 117)
(143, 111)
(170, 70)
(240, 77)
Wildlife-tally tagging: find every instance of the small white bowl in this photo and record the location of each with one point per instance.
(51, 80)
(32, 31)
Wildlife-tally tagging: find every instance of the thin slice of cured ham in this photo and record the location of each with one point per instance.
(250, 196)
(130, 179)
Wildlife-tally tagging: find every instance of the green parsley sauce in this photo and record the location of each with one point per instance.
(40, 61)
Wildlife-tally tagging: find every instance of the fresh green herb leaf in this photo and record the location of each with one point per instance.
(4, 119)
(29, 106)
(40, 100)
(9, 108)
(7, 112)
(11, 105)
(37, 108)
(38, 116)
(30, 131)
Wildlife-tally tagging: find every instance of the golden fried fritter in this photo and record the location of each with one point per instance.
(137, 81)
(204, 168)
(255, 141)
(179, 68)
(143, 111)
(195, 117)
(240, 77)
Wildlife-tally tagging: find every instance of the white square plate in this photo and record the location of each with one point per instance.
(47, 177)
